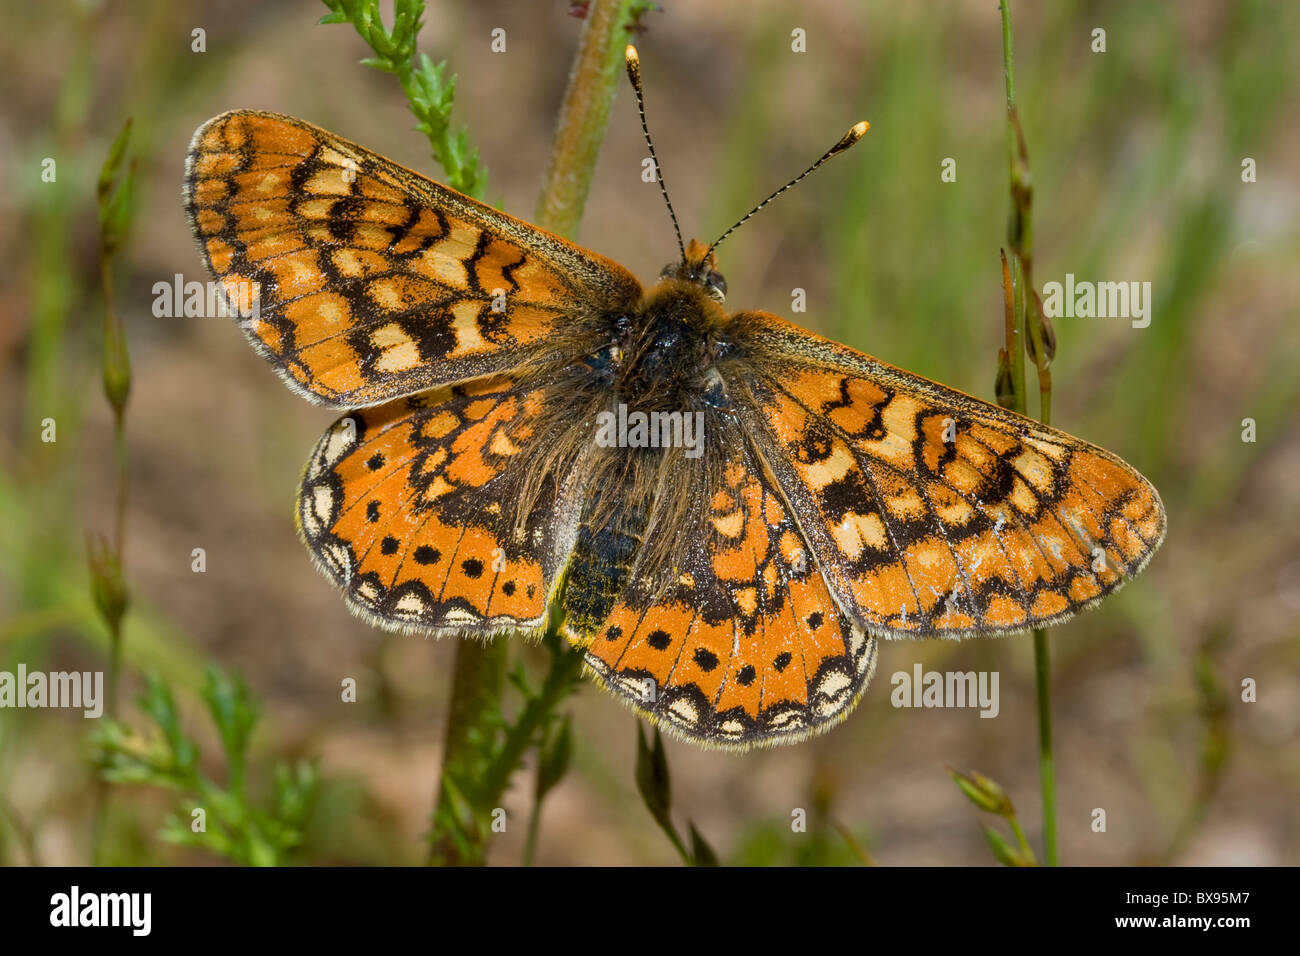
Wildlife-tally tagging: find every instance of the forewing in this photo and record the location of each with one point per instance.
(935, 513)
(360, 280)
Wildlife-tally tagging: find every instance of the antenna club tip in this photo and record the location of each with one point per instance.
(631, 58)
(854, 134)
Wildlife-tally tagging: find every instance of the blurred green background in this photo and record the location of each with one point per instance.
(1137, 159)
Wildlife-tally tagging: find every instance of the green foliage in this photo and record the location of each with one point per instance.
(235, 826)
(116, 194)
(654, 783)
(989, 796)
(429, 90)
(492, 749)
(771, 843)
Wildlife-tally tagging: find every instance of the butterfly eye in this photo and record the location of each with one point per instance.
(716, 283)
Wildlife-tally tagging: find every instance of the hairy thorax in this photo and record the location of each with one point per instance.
(664, 358)
(663, 363)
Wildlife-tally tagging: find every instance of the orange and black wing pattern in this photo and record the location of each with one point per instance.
(936, 514)
(735, 599)
(409, 508)
(361, 281)
(745, 645)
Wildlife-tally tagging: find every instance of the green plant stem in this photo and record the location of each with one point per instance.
(477, 679)
(566, 667)
(1019, 831)
(678, 845)
(584, 114)
(1046, 766)
(530, 841)
(476, 689)
(28, 842)
(119, 500)
(108, 561)
(1025, 304)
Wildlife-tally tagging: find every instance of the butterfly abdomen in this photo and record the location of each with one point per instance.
(607, 544)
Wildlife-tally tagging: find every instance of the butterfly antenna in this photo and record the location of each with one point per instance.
(634, 74)
(849, 138)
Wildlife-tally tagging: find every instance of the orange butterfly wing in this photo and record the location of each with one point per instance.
(361, 281)
(746, 646)
(368, 286)
(933, 512)
(408, 508)
(851, 499)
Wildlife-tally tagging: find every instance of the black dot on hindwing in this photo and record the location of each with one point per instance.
(706, 659)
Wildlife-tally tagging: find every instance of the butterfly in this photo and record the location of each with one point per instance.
(725, 511)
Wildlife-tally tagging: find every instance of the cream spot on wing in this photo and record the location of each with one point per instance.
(346, 262)
(730, 526)
(444, 268)
(398, 352)
(857, 641)
(341, 560)
(684, 710)
(898, 420)
(331, 310)
(955, 512)
(836, 466)
(458, 615)
(385, 294)
(464, 323)
(340, 439)
(830, 692)
(857, 531)
(1023, 498)
(787, 719)
(929, 554)
(329, 182)
(332, 156)
(1051, 449)
(411, 604)
(322, 506)
(270, 182)
(1035, 469)
(459, 244)
(314, 208)
(502, 445)
(908, 504)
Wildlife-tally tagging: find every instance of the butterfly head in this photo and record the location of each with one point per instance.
(699, 266)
